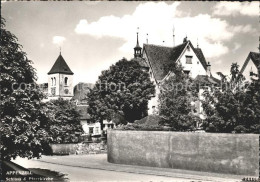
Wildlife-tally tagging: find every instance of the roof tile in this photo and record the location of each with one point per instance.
(160, 56)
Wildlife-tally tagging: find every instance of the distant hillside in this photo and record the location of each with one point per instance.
(80, 92)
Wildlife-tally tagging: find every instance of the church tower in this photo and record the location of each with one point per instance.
(60, 80)
(137, 49)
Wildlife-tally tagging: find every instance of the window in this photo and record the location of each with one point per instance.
(51, 81)
(188, 59)
(186, 72)
(66, 80)
(188, 48)
(91, 130)
(54, 81)
(153, 110)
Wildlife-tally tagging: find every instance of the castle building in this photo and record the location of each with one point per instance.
(156, 58)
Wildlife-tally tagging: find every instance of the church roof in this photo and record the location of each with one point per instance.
(160, 56)
(255, 57)
(60, 66)
(137, 43)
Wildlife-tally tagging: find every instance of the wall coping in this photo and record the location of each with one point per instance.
(192, 133)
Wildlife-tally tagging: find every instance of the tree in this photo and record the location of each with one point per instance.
(177, 93)
(64, 121)
(121, 93)
(233, 108)
(22, 113)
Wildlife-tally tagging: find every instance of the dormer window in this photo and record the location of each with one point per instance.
(66, 81)
(188, 59)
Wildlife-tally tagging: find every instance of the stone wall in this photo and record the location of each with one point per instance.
(221, 153)
(78, 148)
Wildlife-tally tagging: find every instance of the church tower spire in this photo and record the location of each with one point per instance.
(60, 80)
(137, 49)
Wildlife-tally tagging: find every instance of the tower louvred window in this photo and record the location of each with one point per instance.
(66, 80)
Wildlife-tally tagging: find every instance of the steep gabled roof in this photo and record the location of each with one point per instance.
(160, 56)
(141, 62)
(60, 66)
(200, 56)
(255, 57)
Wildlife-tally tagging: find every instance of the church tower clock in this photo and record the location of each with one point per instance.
(60, 80)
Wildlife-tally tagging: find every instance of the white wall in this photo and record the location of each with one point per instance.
(60, 86)
(50, 85)
(96, 127)
(196, 68)
(69, 85)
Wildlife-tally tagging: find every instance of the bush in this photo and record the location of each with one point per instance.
(143, 127)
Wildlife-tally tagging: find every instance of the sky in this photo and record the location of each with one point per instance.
(93, 35)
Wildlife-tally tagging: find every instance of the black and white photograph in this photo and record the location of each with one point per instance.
(130, 91)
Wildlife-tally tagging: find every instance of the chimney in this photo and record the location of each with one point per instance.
(173, 34)
(185, 39)
(208, 69)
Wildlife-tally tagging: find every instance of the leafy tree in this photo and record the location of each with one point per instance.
(175, 100)
(64, 121)
(235, 107)
(22, 113)
(121, 93)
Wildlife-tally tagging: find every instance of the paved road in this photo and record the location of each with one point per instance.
(96, 168)
(85, 174)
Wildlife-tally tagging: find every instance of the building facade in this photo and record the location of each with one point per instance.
(156, 58)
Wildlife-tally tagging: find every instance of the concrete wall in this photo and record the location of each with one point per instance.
(221, 153)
